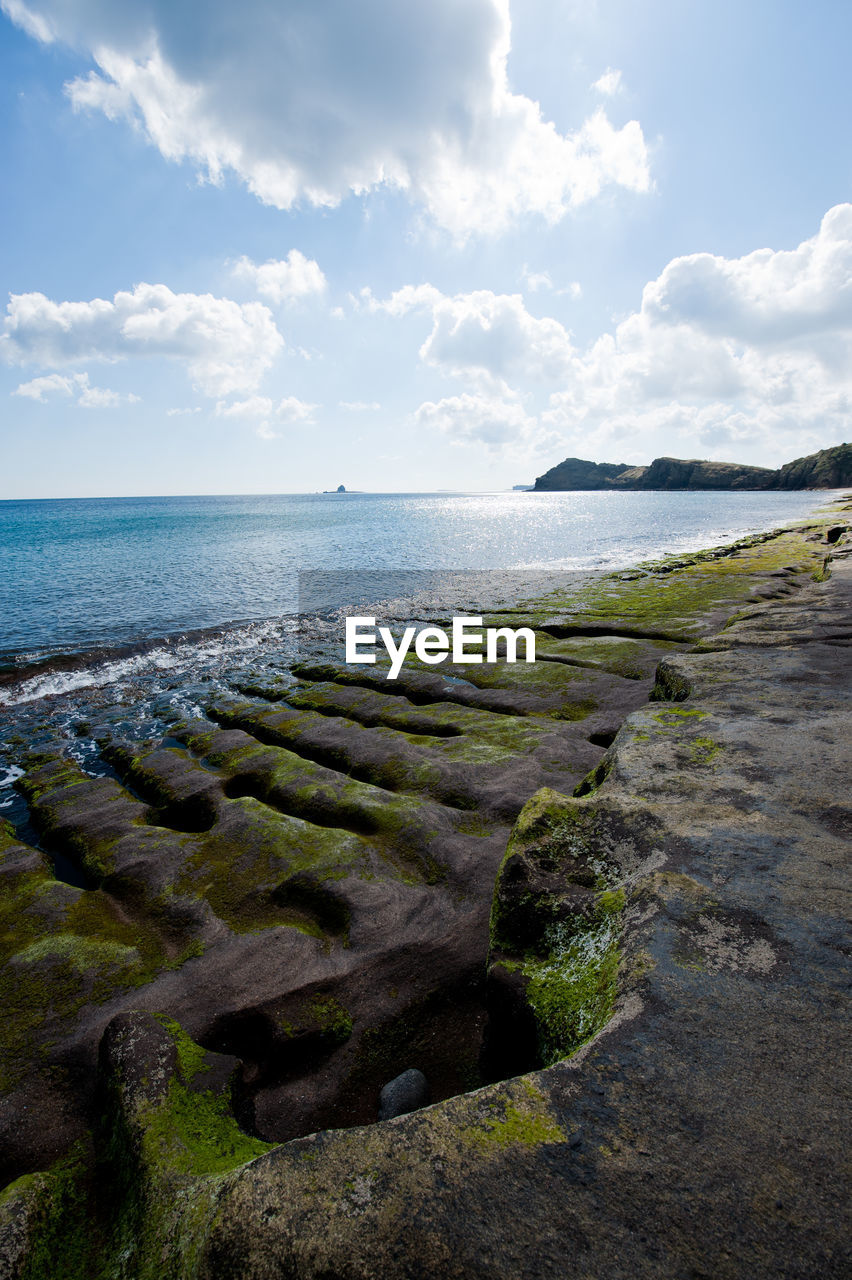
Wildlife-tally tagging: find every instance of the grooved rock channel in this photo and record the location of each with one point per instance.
(628, 1002)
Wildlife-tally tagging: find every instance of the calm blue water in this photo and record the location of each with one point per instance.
(79, 573)
(119, 617)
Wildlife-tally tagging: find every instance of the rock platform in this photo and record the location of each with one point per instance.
(297, 899)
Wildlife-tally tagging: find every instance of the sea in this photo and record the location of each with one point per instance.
(123, 615)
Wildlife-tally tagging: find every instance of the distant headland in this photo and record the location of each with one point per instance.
(828, 469)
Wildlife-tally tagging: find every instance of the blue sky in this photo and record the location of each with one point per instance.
(438, 244)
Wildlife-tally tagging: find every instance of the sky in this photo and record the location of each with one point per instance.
(416, 245)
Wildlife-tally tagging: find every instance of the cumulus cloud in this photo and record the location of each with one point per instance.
(282, 281)
(723, 351)
(484, 335)
(226, 346)
(723, 355)
(265, 413)
(73, 386)
(499, 422)
(310, 102)
(766, 297)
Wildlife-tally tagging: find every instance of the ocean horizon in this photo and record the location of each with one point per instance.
(130, 613)
(81, 573)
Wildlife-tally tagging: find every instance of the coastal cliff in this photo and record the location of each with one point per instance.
(828, 469)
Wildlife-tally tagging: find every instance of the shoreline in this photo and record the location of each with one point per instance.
(427, 782)
(121, 567)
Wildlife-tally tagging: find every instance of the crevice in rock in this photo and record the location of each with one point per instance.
(190, 815)
(563, 630)
(304, 893)
(307, 1066)
(478, 700)
(423, 728)
(65, 868)
(586, 666)
(321, 811)
(378, 775)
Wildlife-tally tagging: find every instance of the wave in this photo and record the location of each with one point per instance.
(36, 676)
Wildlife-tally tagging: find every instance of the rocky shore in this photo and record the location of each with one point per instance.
(595, 901)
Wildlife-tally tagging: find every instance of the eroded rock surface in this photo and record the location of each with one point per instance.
(307, 887)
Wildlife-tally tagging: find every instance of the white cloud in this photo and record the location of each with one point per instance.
(76, 386)
(485, 335)
(765, 297)
(182, 413)
(358, 406)
(475, 419)
(101, 398)
(609, 83)
(498, 422)
(53, 385)
(537, 281)
(309, 103)
(34, 25)
(266, 413)
(227, 346)
(723, 356)
(282, 281)
(724, 351)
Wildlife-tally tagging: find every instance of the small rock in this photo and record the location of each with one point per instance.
(406, 1092)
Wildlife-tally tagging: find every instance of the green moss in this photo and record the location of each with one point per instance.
(572, 992)
(82, 954)
(672, 599)
(595, 777)
(610, 902)
(238, 873)
(192, 1057)
(521, 1117)
(195, 1133)
(577, 710)
(542, 813)
(331, 1017)
(676, 715)
(568, 836)
(704, 750)
(338, 825)
(473, 824)
(63, 1240)
(60, 949)
(519, 1127)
